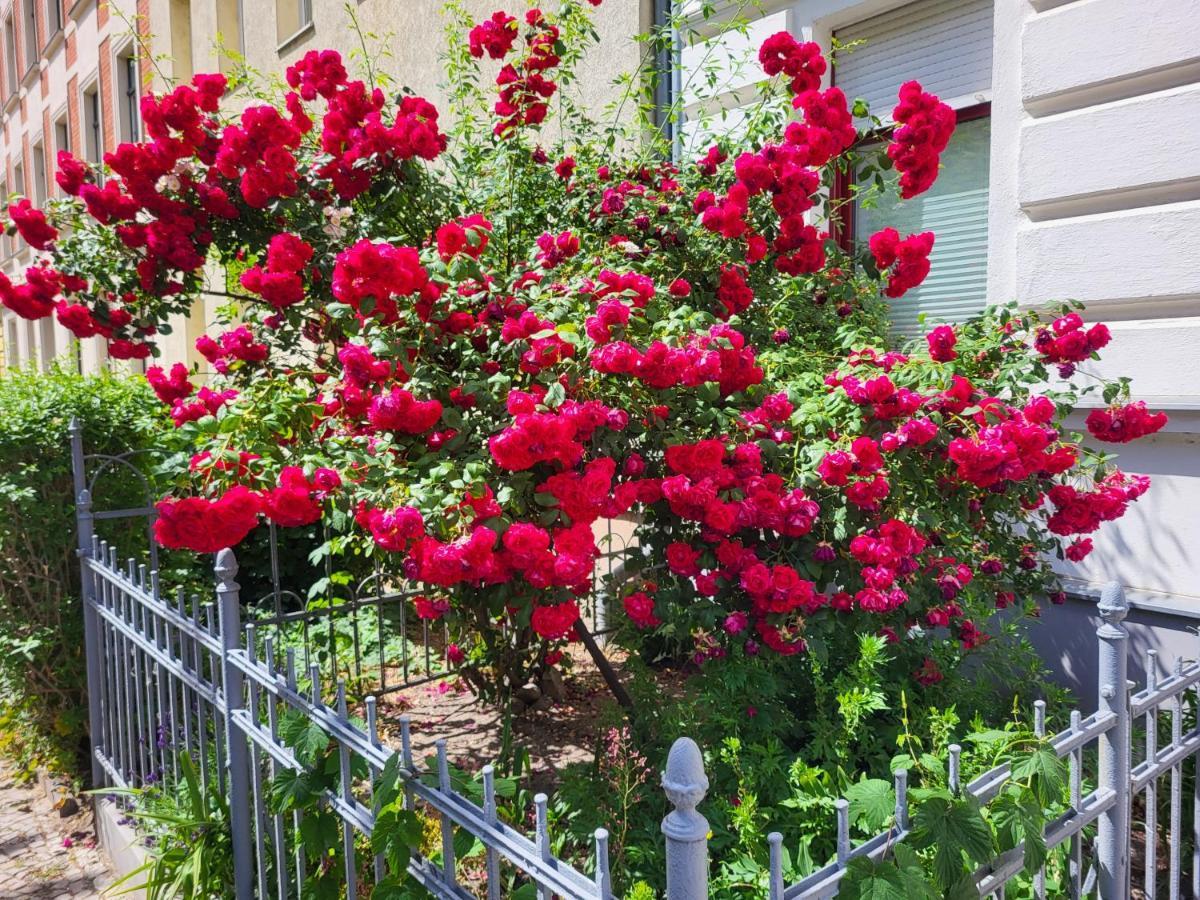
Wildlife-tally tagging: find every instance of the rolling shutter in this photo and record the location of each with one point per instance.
(944, 44)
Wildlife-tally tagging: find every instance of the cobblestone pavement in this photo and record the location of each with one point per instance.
(36, 862)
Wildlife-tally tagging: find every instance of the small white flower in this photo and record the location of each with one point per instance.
(167, 183)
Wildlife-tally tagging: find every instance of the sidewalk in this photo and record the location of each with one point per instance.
(42, 855)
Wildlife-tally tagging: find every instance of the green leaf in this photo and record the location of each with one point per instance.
(872, 803)
(951, 827)
(289, 790)
(1018, 817)
(396, 832)
(883, 880)
(304, 736)
(1045, 773)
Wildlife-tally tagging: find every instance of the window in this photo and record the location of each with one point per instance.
(947, 46)
(10, 54)
(93, 136)
(62, 136)
(291, 17)
(18, 189)
(12, 347)
(54, 10)
(229, 33)
(40, 191)
(46, 343)
(31, 41)
(127, 87)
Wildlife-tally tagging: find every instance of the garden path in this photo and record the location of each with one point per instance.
(44, 856)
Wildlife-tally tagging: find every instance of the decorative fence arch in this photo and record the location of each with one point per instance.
(177, 674)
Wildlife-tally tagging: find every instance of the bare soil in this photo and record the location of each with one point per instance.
(557, 737)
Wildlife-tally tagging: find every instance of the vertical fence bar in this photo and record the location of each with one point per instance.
(1175, 835)
(373, 735)
(1039, 730)
(492, 858)
(1075, 858)
(1149, 882)
(235, 742)
(686, 830)
(603, 877)
(542, 825)
(447, 789)
(1112, 838)
(85, 529)
(351, 860)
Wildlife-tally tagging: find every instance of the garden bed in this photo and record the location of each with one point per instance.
(564, 734)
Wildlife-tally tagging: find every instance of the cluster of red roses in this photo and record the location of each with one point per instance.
(207, 525)
(1067, 342)
(281, 283)
(1122, 424)
(909, 257)
(1082, 512)
(924, 127)
(722, 356)
(524, 89)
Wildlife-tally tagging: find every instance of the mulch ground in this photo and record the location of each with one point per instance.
(565, 733)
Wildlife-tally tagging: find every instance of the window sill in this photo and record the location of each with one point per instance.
(289, 43)
(30, 75)
(78, 8)
(52, 45)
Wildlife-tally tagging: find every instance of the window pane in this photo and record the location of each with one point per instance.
(955, 210)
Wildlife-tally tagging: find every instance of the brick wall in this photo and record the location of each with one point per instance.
(73, 123)
(107, 107)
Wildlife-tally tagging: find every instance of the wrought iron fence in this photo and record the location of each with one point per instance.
(180, 675)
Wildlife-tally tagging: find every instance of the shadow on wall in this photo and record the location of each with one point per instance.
(1065, 638)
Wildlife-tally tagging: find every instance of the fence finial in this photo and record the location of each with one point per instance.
(1113, 607)
(226, 566)
(686, 830)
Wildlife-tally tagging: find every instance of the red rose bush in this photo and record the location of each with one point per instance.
(462, 351)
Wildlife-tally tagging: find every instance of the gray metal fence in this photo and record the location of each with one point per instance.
(170, 675)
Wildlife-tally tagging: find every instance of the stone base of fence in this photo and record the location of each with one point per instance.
(118, 842)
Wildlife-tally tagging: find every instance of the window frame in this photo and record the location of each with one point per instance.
(128, 94)
(32, 49)
(12, 68)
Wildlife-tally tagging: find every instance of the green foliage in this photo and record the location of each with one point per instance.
(187, 839)
(953, 834)
(42, 686)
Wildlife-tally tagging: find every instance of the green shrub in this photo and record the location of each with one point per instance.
(43, 705)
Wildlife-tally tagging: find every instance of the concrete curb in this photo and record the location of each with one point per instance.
(120, 843)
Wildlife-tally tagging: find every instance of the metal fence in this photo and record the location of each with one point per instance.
(178, 675)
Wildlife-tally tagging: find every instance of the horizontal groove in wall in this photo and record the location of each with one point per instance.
(1130, 198)
(1123, 88)
(1133, 309)
(1047, 5)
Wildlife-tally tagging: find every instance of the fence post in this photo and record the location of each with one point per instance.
(85, 530)
(238, 758)
(686, 830)
(1112, 838)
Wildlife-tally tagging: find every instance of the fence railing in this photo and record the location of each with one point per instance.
(180, 675)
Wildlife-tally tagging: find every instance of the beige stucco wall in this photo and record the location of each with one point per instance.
(411, 30)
